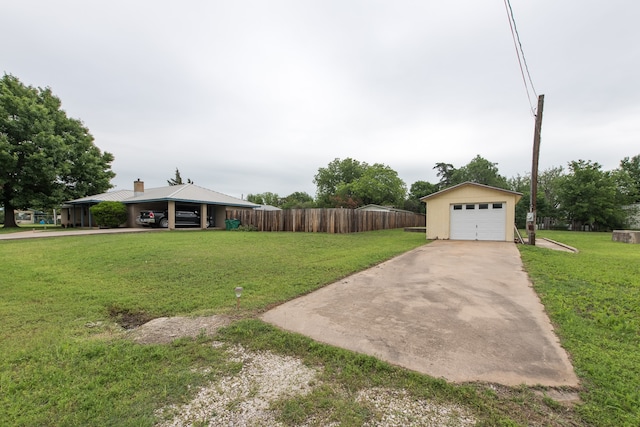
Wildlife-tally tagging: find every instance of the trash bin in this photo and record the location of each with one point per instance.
(231, 224)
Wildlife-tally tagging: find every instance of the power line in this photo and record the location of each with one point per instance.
(520, 54)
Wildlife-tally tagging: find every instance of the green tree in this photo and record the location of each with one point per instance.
(547, 205)
(478, 170)
(445, 172)
(297, 200)
(628, 176)
(481, 171)
(267, 198)
(418, 190)
(87, 170)
(379, 184)
(590, 196)
(521, 184)
(109, 214)
(45, 156)
(549, 182)
(337, 174)
(177, 180)
(350, 183)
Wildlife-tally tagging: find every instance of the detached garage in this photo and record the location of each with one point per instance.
(471, 211)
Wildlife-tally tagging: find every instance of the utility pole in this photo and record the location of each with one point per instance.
(531, 217)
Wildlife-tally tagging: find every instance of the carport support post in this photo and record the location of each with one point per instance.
(204, 214)
(171, 210)
(531, 218)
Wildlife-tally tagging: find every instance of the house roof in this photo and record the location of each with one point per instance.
(187, 193)
(110, 196)
(379, 208)
(469, 184)
(267, 208)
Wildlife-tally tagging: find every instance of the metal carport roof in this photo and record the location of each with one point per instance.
(186, 193)
(189, 193)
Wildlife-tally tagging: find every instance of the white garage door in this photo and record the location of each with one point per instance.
(478, 221)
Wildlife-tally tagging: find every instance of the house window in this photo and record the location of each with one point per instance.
(470, 207)
(457, 207)
(497, 206)
(483, 206)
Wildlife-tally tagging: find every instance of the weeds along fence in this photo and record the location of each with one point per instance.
(333, 220)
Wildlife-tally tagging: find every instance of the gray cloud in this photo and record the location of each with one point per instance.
(256, 96)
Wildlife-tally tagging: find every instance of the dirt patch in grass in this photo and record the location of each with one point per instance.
(128, 319)
(166, 329)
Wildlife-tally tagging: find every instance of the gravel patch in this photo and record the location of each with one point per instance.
(395, 408)
(243, 400)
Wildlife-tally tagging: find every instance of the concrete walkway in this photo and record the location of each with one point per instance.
(38, 233)
(556, 246)
(463, 311)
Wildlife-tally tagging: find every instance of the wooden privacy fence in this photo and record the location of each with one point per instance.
(333, 220)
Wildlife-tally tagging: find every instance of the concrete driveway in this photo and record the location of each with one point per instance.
(462, 311)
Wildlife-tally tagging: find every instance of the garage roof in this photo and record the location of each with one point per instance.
(468, 184)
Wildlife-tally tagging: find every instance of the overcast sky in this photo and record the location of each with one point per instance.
(254, 96)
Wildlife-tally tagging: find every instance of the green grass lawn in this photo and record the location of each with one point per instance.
(64, 361)
(593, 298)
(30, 227)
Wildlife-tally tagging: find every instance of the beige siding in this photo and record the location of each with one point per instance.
(438, 208)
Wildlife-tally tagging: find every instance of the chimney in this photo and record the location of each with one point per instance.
(138, 188)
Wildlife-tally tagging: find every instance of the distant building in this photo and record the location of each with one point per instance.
(633, 220)
(378, 208)
(267, 208)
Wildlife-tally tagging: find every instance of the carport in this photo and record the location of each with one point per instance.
(471, 211)
(209, 203)
(77, 213)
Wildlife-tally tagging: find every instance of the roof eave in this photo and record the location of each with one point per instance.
(171, 199)
(488, 187)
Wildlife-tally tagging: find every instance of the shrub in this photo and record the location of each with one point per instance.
(109, 214)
